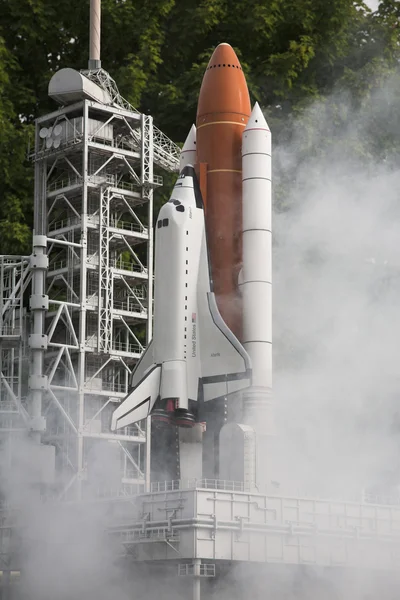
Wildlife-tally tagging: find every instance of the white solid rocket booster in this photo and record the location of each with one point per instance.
(256, 275)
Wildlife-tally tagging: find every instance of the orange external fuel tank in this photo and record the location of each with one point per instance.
(222, 113)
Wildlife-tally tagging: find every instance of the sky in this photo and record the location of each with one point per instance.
(373, 4)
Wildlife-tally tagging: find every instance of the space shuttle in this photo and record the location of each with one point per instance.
(213, 270)
(193, 352)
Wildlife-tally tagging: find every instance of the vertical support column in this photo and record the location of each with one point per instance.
(95, 30)
(147, 191)
(104, 331)
(2, 275)
(82, 309)
(196, 579)
(22, 325)
(6, 585)
(37, 382)
(38, 340)
(40, 212)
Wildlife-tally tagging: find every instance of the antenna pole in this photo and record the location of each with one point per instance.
(94, 44)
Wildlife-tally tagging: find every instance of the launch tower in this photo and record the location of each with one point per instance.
(77, 313)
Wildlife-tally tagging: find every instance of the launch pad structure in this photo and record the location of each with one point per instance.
(90, 276)
(76, 316)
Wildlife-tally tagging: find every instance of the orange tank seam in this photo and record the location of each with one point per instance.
(221, 122)
(225, 171)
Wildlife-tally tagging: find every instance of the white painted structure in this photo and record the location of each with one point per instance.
(211, 521)
(191, 342)
(256, 275)
(66, 360)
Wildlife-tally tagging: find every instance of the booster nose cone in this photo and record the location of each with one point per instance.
(257, 120)
(224, 87)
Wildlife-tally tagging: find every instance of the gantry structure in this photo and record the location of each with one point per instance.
(15, 278)
(77, 313)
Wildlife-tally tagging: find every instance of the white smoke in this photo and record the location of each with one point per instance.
(336, 305)
(63, 548)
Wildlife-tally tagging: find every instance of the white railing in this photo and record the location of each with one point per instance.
(139, 291)
(125, 491)
(206, 570)
(376, 499)
(124, 265)
(131, 304)
(126, 347)
(10, 330)
(132, 430)
(187, 484)
(127, 186)
(106, 386)
(7, 406)
(64, 223)
(64, 183)
(117, 224)
(128, 226)
(160, 534)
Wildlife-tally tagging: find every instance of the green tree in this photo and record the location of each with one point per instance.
(16, 174)
(293, 52)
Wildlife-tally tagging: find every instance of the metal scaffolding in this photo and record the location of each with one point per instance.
(77, 314)
(15, 277)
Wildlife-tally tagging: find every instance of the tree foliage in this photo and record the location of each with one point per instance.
(293, 52)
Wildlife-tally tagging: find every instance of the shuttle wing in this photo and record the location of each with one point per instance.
(138, 404)
(225, 364)
(146, 361)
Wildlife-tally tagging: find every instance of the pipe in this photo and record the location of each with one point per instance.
(94, 43)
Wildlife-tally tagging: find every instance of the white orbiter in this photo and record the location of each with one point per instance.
(192, 347)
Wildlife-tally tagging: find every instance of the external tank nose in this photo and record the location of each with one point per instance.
(222, 114)
(224, 87)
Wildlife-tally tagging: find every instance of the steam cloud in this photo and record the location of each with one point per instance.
(336, 308)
